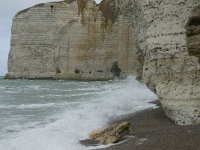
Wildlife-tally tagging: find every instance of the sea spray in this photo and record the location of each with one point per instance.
(55, 115)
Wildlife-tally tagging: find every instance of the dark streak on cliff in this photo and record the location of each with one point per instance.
(110, 11)
(81, 6)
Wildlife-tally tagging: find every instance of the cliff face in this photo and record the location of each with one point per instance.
(170, 37)
(72, 40)
(80, 40)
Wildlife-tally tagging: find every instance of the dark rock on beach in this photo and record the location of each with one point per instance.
(152, 130)
(111, 134)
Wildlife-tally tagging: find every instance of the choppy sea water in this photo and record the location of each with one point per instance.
(55, 115)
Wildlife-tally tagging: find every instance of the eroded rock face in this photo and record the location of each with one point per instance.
(73, 39)
(170, 41)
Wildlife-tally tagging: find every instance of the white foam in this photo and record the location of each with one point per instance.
(75, 123)
(39, 105)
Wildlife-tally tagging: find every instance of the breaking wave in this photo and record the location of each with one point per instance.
(59, 122)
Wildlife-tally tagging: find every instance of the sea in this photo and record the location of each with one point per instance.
(57, 114)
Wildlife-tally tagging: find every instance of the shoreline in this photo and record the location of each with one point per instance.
(152, 130)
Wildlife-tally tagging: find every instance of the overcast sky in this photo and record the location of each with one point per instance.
(8, 9)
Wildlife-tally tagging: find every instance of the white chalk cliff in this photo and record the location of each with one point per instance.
(82, 40)
(72, 40)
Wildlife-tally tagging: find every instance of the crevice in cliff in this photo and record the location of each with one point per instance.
(109, 8)
(58, 71)
(56, 60)
(140, 57)
(81, 7)
(52, 8)
(76, 71)
(116, 71)
(193, 35)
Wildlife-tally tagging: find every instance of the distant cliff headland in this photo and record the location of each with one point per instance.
(72, 40)
(157, 40)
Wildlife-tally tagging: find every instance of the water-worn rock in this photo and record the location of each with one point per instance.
(111, 134)
(169, 38)
(73, 39)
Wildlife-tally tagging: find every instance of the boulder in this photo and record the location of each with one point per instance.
(111, 134)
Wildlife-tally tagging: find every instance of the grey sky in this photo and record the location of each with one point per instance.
(8, 9)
